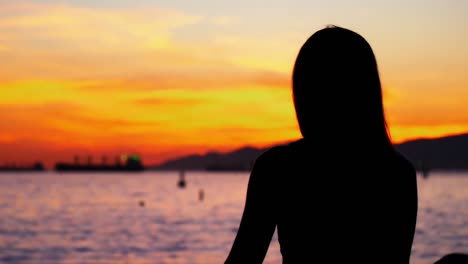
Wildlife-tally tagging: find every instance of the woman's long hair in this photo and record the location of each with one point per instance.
(337, 91)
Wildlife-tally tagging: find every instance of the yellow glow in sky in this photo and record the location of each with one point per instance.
(164, 80)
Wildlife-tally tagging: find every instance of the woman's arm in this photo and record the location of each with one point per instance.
(257, 224)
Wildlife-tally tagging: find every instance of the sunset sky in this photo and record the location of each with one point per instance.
(166, 78)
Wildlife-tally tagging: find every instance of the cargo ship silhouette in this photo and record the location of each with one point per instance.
(131, 163)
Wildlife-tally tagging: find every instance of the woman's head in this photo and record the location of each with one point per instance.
(336, 87)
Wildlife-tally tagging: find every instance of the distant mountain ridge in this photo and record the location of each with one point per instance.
(443, 153)
(237, 160)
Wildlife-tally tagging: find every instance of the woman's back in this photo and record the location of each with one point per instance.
(339, 204)
(341, 193)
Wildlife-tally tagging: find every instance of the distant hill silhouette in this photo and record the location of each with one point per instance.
(238, 160)
(444, 153)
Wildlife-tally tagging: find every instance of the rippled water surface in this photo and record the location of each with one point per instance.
(144, 218)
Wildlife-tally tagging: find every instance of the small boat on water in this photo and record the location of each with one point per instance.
(425, 172)
(181, 183)
(424, 168)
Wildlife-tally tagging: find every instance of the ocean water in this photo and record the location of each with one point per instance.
(48, 218)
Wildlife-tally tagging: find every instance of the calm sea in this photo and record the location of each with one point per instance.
(145, 218)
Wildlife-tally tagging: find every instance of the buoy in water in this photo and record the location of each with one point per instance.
(181, 182)
(201, 195)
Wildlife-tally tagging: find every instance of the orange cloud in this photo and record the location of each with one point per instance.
(60, 40)
(202, 80)
(154, 121)
(92, 29)
(411, 107)
(65, 41)
(170, 101)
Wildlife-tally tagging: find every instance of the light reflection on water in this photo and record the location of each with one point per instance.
(97, 218)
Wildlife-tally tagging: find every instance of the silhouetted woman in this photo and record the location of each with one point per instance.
(341, 193)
